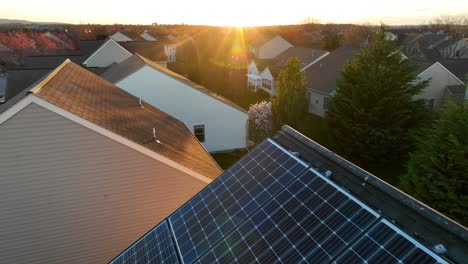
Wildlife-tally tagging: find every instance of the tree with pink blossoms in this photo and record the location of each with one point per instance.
(260, 121)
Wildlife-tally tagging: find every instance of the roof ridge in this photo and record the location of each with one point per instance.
(50, 76)
(176, 76)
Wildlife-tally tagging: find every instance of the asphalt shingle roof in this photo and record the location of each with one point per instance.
(322, 76)
(85, 94)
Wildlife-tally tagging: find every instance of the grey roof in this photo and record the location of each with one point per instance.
(134, 63)
(422, 65)
(459, 67)
(18, 80)
(457, 92)
(53, 61)
(322, 76)
(153, 50)
(304, 54)
(409, 214)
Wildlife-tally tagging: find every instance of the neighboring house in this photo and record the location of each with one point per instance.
(322, 76)
(62, 43)
(120, 36)
(146, 36)
(86, 169)
(269, 48)
(290, 200)
(109, 52)
(441, 80)
(436, 46)
(170, 49)
(390, 36)
(218, 123)
(112, 52)
(7, 56)
(265, 78)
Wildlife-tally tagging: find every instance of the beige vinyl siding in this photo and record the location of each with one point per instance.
(70, 195)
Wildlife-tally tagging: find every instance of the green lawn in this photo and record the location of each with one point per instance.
(226, 160)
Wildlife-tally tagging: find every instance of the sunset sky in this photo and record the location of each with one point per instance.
(232, 13)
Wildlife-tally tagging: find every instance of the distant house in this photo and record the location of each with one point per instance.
(262, 74)
(218, 123)
(109, 52)
(112, 52)
(86, 169)
(390, 36)
(322, 77)
(268, 48)
(436, 46)
(146, 36)
(120, 36)
(290, 200)
(443, 84)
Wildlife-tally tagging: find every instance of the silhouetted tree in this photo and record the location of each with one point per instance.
(290, 103)
(438, 169)
(373, 112)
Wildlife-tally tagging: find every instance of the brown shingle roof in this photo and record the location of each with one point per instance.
(84, 94)
(134, 63)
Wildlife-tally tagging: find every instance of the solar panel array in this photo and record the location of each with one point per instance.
(270, 207)
(154, 247)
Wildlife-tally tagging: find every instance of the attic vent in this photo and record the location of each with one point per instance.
(154, 136)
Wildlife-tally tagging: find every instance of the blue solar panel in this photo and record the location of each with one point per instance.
(310, 220)
(155, 247)
(218, 209)
(385, 243)
(270, 208)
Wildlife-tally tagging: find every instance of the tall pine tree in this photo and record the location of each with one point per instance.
(373, 112)
(438, 169)
(290, 103)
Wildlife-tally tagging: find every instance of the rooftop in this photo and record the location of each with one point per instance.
(80, 92)
(136, 62)
(292, 200)
(322, 76)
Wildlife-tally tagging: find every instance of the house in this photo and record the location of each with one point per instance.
(112, 52)
(109, 52)
(265, 48)
(86, 169)
(443, 83)
(436, 46)
(322, 76)
(322, 79)
(120, 36)
(146, 36)
(262, 74)
(217, 122)
(290, 200)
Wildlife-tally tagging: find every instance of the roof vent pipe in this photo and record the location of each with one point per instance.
(440, 249)
(154, 136)
(328, 174)
(140, 103)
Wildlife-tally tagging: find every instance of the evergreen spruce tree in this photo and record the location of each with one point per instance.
(373, 113)
(290, 103)
(438, 168)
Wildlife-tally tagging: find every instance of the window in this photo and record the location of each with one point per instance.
(199, 132)
(430, 103)
(326, 101)
(267, 84)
